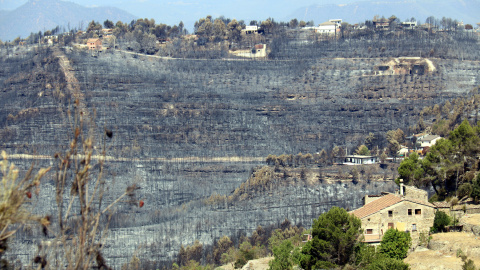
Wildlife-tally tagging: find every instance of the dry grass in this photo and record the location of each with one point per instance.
(13, 195)
(473, 219)
(433, 260)
(443, 252)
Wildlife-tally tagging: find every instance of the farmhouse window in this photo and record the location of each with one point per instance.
(418, 211)
(409, 212)
(414, 227)
(369, 231)
(390, 213)
(390, 225)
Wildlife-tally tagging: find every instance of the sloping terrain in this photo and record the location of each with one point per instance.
(442, 252)
(184, 130)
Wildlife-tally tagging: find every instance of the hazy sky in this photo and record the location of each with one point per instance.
(172, 11)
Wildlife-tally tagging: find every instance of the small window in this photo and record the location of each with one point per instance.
(390, 226)
(409, 212)
(390, 213)
(414, 227)
(369, 231)
(418, 211)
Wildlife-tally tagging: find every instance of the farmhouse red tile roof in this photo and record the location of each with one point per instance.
(384, 202)
(376, 205)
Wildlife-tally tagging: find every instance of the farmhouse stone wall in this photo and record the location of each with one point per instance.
(402, 216)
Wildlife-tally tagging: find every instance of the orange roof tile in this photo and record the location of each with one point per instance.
(377, 205)
(92, 40)
(384, 202)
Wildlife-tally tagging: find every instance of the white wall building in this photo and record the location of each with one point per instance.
(428, 140)
(359, 160)
(330, 27)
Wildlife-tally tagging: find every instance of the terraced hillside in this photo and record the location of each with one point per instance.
(186, 129)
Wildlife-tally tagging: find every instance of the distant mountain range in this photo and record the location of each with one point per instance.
(42, 15)
(462, 10)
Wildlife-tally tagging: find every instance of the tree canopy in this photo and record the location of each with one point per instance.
(440, 221)
(395, 244)
(334, 237)
(448, 163)
(282, 259)
(363, 150)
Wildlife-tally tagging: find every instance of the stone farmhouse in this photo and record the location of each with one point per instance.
(407, 210)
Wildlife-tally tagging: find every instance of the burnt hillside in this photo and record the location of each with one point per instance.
(171, 117)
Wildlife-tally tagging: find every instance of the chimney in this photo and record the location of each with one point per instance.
(401, 187)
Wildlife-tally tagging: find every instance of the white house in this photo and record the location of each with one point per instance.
(359, 160)
(251, 29)
(330, 27)
(428, 140)
(409, 25)
(403, 152)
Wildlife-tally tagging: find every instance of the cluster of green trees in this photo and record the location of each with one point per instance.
(335, 243)
(219, 29)
(449, 167)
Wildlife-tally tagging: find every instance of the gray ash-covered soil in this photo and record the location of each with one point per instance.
(170, 118)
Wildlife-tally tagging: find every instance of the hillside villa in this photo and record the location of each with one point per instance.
(94, 44)
(359, 160)
(428, 140)
(406, 210)
(330, 28)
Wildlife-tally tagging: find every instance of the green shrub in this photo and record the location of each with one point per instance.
(282, 260)
(395, 244)
(386, 263)
(334, 238)
(441, 220)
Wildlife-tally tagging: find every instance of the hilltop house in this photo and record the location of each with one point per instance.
(94, 44)
(407, 210)
(330, 28)
(409, 25)
(250, 29)
(381, 23)
(107, 31)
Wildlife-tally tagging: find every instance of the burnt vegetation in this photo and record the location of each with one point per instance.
(189, 129)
